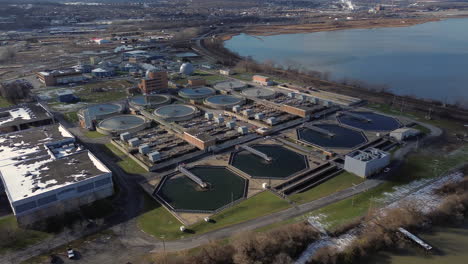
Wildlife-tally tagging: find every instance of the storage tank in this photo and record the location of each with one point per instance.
(186, 68)
(120, 124)
(223, 101)
(176, 112)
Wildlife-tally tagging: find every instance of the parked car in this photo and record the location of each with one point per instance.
(70, 253)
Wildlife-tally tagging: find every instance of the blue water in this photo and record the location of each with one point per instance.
(428, 60)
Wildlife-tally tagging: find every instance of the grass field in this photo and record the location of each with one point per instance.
(113, 90)
(259, 205)
(159, 222)
(4, 102)
(210, 78)
(71, 117)
(340, 182)
(15, 238)
(93, 134)
(243, 76)
(126, 163)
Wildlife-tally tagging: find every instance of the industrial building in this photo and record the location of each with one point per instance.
(194, 82)
(263, 80)
(60, 77)
(403, 133)
(24, 116)
(45, 172)
(155, 80)
(367, 162)
(299, 105)
(226, 72)
(103, 72)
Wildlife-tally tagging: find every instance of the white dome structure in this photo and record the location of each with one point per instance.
(186, 68)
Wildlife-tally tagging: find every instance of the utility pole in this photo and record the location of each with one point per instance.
(164, 249)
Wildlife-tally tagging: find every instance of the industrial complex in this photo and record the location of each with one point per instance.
(208, 146)
(211, 147)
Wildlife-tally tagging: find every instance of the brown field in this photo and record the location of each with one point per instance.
(335, 25)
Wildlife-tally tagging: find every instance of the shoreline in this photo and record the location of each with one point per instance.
(328, 25)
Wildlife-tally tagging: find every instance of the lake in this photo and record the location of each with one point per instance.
(428, 60)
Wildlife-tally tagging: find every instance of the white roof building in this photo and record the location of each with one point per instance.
(42, 167)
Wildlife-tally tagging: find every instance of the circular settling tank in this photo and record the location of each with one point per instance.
(182, 193)
(150, 100)
(369, 121)
(196, 93)
(263, 93)
(223, 101)
(117, 125)
(176, 112)
(284, 162)
(230, 86)
(101, 111)
(337, 137)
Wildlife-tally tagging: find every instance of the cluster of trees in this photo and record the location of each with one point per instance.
(7, 54)
(16, 91)
(280, 246)
(380, 231)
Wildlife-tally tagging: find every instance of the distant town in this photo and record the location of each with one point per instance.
(130, 134)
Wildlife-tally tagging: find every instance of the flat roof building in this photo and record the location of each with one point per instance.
(24, 116)
(263, 80)
(60, 77)
(366, 162)
(45, 172)
(154, 81)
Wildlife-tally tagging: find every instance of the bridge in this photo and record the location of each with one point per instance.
(192, 176)
(256, 152)
(319, 130)
(357, 116)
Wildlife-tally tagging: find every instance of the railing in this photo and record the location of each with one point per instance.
(256, 152)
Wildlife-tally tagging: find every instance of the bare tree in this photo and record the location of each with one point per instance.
(7, 54)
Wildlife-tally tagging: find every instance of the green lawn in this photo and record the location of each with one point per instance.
(71, 117)
(340, 182)
(159, 222)
(210, 78)
(126, 163)
(243, 76)
(113, 90)
(14, 237)
(93, 134)
(4, 102)
(259, 205)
